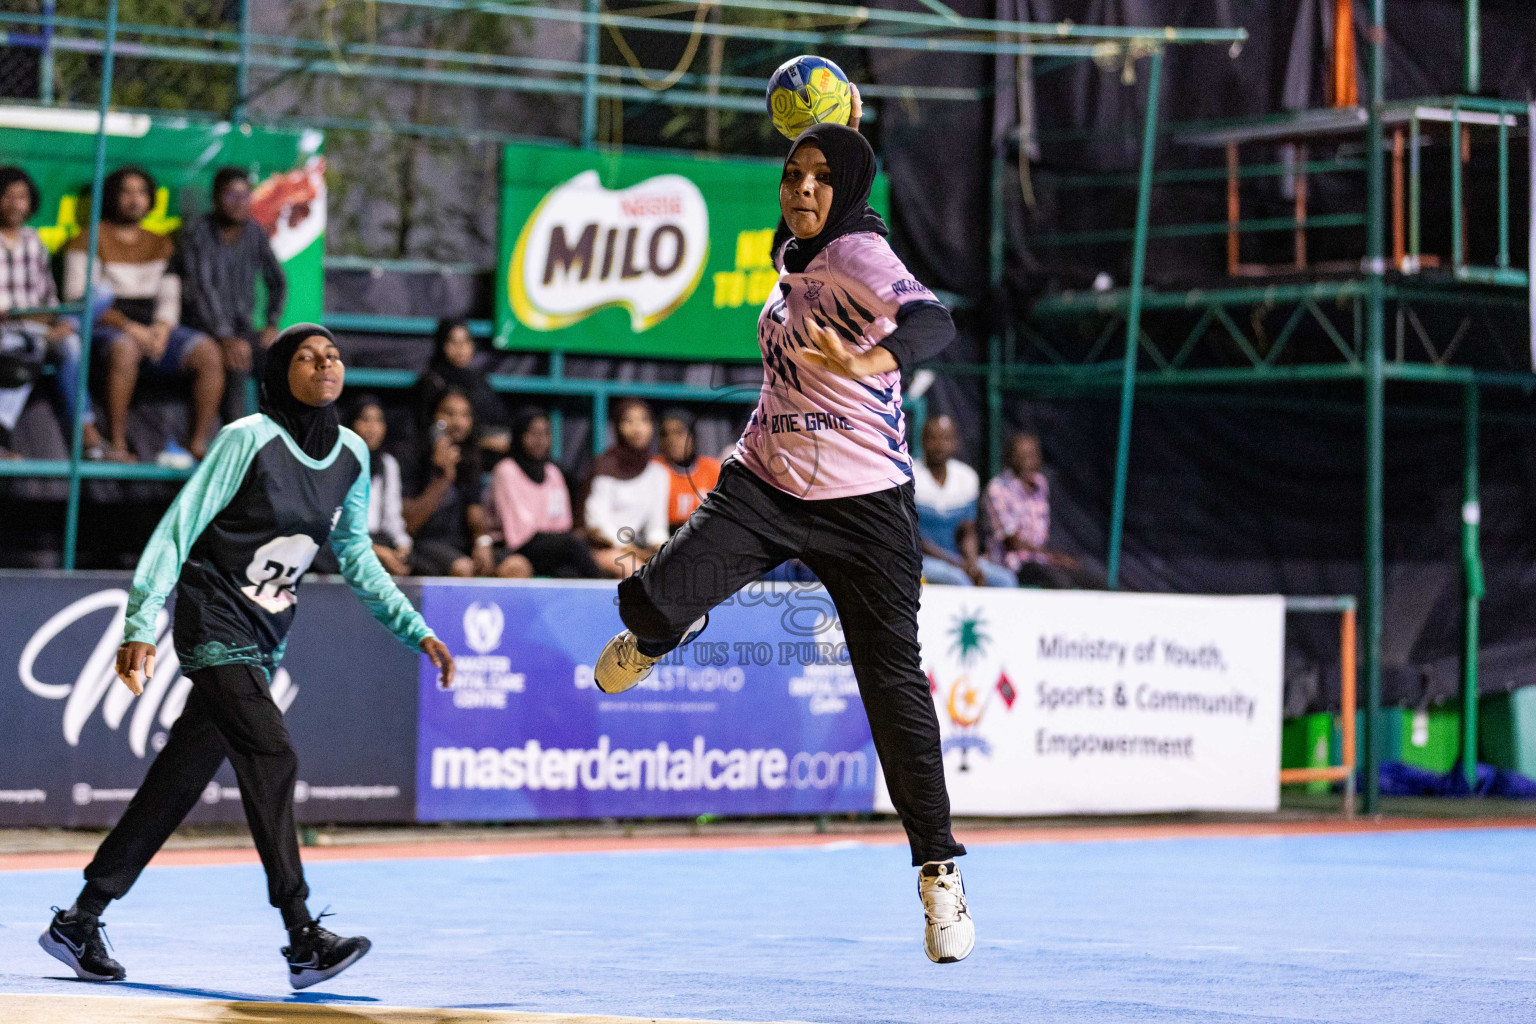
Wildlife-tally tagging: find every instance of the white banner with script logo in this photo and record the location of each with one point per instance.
(1065, 702)
(77, 741)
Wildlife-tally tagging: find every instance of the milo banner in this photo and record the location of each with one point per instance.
(77, 742)
(58, 148)
(760, 715)
(1055, 702)
(636, 254)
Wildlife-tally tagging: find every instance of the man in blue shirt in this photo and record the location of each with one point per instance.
(946, 492)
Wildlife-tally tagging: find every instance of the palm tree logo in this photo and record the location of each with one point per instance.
(967, 703)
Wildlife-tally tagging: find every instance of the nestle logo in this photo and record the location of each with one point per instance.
(907, 286)
(652, 206)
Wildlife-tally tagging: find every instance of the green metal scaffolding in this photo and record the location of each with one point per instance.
(939, 29)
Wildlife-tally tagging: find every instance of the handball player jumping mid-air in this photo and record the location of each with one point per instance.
(822, 474)
(240, 534)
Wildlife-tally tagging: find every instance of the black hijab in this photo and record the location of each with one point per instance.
(315, 430)
(464, 378)
(442, 376)
(532, 468)
(354, 410)
(687, 419)
(623, 462)
(467, 476)
(852, 162)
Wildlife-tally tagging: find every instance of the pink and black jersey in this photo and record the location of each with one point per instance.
(815, 434)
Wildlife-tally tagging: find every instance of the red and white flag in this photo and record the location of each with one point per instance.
(1005, 690)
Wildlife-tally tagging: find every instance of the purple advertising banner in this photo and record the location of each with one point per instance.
(77, 743)
(761, 715)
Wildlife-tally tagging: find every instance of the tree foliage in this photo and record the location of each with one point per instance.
(145, 83)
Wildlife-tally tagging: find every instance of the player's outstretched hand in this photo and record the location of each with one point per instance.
(843, 359)
(856, 114)
(438, 654)
(135, 664)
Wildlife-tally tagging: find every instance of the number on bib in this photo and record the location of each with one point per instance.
(275, 570)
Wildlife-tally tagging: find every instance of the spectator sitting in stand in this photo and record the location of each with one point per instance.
(220, 255)
(452, 367)
(946, 491)
(1018, 516)
(690, 475)
(143, 328)
(444, 516)
(26, 282)
(626, 507)
(530, 502)
(386, 515)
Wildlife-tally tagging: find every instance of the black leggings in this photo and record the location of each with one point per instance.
(229, 713)
(865, 551)
(560, 555)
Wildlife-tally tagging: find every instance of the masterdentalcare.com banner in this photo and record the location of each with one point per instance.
(761, 715)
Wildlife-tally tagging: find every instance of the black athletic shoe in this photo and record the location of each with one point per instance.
(78, 941)
(317, 954)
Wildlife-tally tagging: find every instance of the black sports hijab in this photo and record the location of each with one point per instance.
(314, 428)
(359, 405)
(534, 469)
(852, 163)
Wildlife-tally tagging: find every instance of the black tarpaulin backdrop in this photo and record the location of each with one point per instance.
(1250, 494)
(1249, 491)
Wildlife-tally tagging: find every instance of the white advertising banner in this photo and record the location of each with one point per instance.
(1071, 702)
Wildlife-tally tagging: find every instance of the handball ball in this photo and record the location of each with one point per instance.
(808, 90)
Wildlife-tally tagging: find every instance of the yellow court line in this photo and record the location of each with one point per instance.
(72, 1009)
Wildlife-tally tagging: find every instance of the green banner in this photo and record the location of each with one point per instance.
(636, 254)
(59, 148)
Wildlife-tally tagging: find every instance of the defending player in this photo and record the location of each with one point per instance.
(234, 543)
(822, 474)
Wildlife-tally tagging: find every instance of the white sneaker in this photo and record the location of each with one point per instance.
(622, 666)
(950, 935)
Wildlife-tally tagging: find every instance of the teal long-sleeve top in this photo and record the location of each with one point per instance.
(241, 533)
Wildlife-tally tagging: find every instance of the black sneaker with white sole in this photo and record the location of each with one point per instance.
(79, 941)
(316, 954)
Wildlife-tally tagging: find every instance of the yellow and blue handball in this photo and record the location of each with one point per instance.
(808, 90)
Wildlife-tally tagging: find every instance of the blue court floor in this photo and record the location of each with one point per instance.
(1388, 927)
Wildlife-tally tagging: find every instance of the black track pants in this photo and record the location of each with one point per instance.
(229, 713)
(865, 551)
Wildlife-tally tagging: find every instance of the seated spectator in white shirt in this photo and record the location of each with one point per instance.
(386, 516)
(947, 491)
(626, 506)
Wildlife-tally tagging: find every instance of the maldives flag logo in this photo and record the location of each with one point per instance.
(1005, 690)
